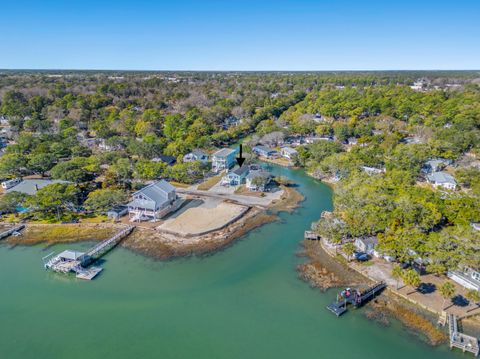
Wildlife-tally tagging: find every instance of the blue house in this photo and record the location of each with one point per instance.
(223, 159)
(235, 177)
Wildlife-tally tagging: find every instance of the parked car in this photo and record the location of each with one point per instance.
(361, 257)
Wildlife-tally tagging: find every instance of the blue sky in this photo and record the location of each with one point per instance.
(240, 35)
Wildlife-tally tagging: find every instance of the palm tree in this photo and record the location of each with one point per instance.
(473, 295)
(397, 273)
(349, 249)
(412, 278)
(447, 290)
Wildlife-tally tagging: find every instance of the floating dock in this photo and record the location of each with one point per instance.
(11, 231)
(355, 297)
(459, 340)
(70, 261)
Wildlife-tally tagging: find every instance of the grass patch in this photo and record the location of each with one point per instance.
(96, 219)
(62, 234)
(179, 184)
(209, 183)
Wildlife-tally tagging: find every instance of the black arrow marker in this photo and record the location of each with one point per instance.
(240, 159)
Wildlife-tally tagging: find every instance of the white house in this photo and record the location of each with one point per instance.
(153, 202)
(288, 152)
(468, 278)
(442, 179)
(223, 159)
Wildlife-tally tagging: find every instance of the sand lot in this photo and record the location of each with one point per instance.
(203, 216)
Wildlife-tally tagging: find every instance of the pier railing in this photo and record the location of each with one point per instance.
(459, 340)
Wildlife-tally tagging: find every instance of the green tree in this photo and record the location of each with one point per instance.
(412, 278)
(41, 163)
(53, 200)
(10, 201)
(12, 165)
(349, 250)
(447, 290)
(397, 273)
(101, 200)
(473, 296)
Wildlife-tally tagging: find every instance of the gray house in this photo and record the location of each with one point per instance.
(153, 202)
(367, 244)
(442, 179)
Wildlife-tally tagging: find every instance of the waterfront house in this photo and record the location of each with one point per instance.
(196, 155)
(223, 159)
(31, 186)
(153, 201)
(168, 160)
(264, 151)
(235, 177)
(468, 278)
(288, 152)
(257, 181)
(442, 179)
(366, 244)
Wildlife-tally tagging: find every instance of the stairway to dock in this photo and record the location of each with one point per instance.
(459, 340)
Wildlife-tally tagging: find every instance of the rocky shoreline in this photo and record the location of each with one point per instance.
(325, 271)
(155, 243)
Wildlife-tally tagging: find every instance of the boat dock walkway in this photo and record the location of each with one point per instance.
(77, 262)
(11, 231)
(354, 297)
(459, 340)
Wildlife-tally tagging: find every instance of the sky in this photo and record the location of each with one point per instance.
(276, 35)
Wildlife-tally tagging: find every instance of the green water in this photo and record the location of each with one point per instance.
(242, 302)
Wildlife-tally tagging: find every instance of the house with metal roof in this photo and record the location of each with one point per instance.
(264, 151)
(169, 160)
(442, 179)
(223, 159)
(257, 181)
(288, 152)
(153, 202)
(468, 278)
(30, 186)
(436, 165)
(196, 155)
(235, 177)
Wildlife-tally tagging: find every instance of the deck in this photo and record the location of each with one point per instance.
(11, 231)
(77, 263)
(459, 340)
(357, 298)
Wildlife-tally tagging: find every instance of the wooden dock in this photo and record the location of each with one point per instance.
(71, 261)
(459, 340)
(11, 231)
(357, 298)
(103, 247)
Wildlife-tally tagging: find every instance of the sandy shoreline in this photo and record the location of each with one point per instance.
(160, 244)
